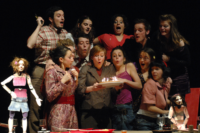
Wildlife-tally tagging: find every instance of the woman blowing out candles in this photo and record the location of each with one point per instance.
(96, 100)
(60, 87)
(125, 73)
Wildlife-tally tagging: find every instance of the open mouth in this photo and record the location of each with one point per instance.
(61, 23)
(87, 30)
(142, 65)
(118, 28)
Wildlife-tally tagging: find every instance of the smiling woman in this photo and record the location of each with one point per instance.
(175, 53)
(110, 41)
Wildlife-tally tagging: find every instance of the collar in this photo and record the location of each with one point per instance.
(86, 58)
(54, 28)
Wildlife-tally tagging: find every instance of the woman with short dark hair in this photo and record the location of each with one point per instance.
(154, 97)
(60, 88)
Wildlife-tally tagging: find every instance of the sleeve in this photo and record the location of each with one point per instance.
(40, 38)
(168, 85)
(53, 87)
(101, 37)
(184, 59)
(149, 92)
(82, 78)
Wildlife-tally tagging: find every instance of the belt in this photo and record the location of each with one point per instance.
(20, 100)
(67, 100)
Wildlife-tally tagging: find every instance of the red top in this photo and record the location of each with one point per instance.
(110, 41)
(99, 71)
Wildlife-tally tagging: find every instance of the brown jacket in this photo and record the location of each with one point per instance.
(96, 99)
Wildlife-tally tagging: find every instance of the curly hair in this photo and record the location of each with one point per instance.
(14, 64)
(66, 42)
(175, 36)
(125, 20)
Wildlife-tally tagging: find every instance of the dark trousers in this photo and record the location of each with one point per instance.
(35, 110)
(123, 117)
(146, 123)
(96, 118)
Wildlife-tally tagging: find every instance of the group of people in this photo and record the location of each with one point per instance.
(70, 66)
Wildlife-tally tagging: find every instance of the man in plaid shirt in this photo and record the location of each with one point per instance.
(43, 39)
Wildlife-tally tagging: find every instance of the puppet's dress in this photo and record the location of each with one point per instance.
(178, 116)
(20, 89)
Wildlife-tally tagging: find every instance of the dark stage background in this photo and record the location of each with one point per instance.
(18, 22)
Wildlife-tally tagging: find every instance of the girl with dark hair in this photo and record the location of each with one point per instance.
(110, 41)
(175, 53)
(83, 25)
(146, 56)
(125, 73)
(154, 97)
(21, 81)
(60, 88)
(177, 111)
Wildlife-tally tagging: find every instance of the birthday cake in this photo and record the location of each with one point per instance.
(110, 82)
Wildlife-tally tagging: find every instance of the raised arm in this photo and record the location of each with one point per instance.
(6, 88)
(38, 100)
(55, 87)
(96, 41)
(33, 38)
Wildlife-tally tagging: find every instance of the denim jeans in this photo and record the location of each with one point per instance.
(146, 123)
(122, 117)
(17, 106)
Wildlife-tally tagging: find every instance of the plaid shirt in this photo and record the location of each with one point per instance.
(46, 40)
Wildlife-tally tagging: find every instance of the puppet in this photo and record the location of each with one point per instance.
(21, 81)
(178, 113)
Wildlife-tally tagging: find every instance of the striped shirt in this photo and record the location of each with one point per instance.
(46, 40)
